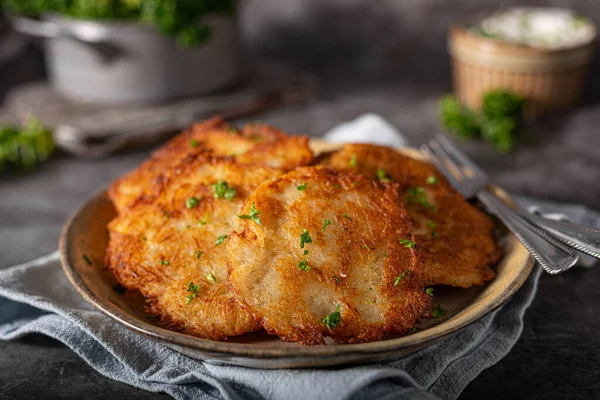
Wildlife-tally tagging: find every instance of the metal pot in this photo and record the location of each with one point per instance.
(114, 62)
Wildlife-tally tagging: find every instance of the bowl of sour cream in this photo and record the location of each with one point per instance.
(541, 54)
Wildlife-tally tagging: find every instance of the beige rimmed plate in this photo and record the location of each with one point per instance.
(85, 237)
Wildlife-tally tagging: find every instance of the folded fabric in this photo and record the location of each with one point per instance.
(36, 297)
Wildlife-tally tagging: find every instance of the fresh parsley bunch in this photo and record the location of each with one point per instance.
(178, 18)
(24, 148)
(499, 122)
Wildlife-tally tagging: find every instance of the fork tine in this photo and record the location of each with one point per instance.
(458, 155)
(428, 152)
(449, 164)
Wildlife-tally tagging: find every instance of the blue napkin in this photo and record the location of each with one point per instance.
(36, 297)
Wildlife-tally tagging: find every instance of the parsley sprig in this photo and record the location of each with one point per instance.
(326, 223)
(254, 214)
(381, 175)
(438, 311)
(193, 202)
(301, 187)
(304, 238)
(303, 265)
(193, 290)
(333, 319)
(407, 243)
(220, 240)
(221, 190)
(211, 277)
(416, 195)
(405, 274)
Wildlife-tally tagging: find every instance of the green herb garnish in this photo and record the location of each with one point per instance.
(407, 243)
(326, 223)
(431, 224)
(164, 262)
(500, 121)
(211, 277)
(402, 276)
(353, 160)
(221, 190)
(435, 234)
(382, 176)
(333, 319)
(203, 221)
(193, 202)
(301, 187)
(304, 238)
(438, 311)
(429, 291)
(254, 214)
(347, 217)
(194, 143)
(303, 265)
(432, 180)
(193, 290)
(305, 252)
(220, 240)
(416, 195)
(198, 254)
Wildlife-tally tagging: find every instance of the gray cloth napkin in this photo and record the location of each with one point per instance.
(35, 297)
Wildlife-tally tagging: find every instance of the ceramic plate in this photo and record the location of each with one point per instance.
(85, 234)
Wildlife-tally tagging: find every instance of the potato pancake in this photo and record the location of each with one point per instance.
(255, 144)
(325, 253)
(172, 248)
(457, 240)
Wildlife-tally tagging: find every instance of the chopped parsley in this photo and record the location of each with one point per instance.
(203, 221)
(193, 202)
(221, 190)
(303, 265)
(333, 319)
(164, 262)
(347, 217)
(429, 291)
(438, 311)
(194, 143)
(301, 187)
(220, 240)
(354, 183)
(255, 138)
(371, 289)
(405, 274)
(417, 195)
(305, 252)
(435, 234)
(353, 160)
(87, 260)
(338, 186)
(211, 277)
(188, 226)
(119, 288)
(198, 254)
(336, 279)
(304, 238)
(193, 290)
(326, 223)
(167, 215)
(382, 176)
(254, 214)
(407, 243)
(415, 329)
(432, 180)
(232, 130)
(431, 224)
(366, 247)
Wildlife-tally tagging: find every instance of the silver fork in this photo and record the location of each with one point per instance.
(554, 256)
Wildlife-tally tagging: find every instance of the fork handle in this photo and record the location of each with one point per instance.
(584, 239)
(552, 255)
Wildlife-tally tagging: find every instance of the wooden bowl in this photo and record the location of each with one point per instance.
(550, 79)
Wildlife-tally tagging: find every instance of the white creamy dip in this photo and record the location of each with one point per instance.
(549, 28)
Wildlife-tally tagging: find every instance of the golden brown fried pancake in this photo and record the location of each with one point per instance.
(255, 144)
(161, 245)
(457, 242)
(347, 266)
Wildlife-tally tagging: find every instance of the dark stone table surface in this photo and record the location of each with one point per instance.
(382, 59)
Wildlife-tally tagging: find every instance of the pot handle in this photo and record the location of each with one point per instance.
(87, 33)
